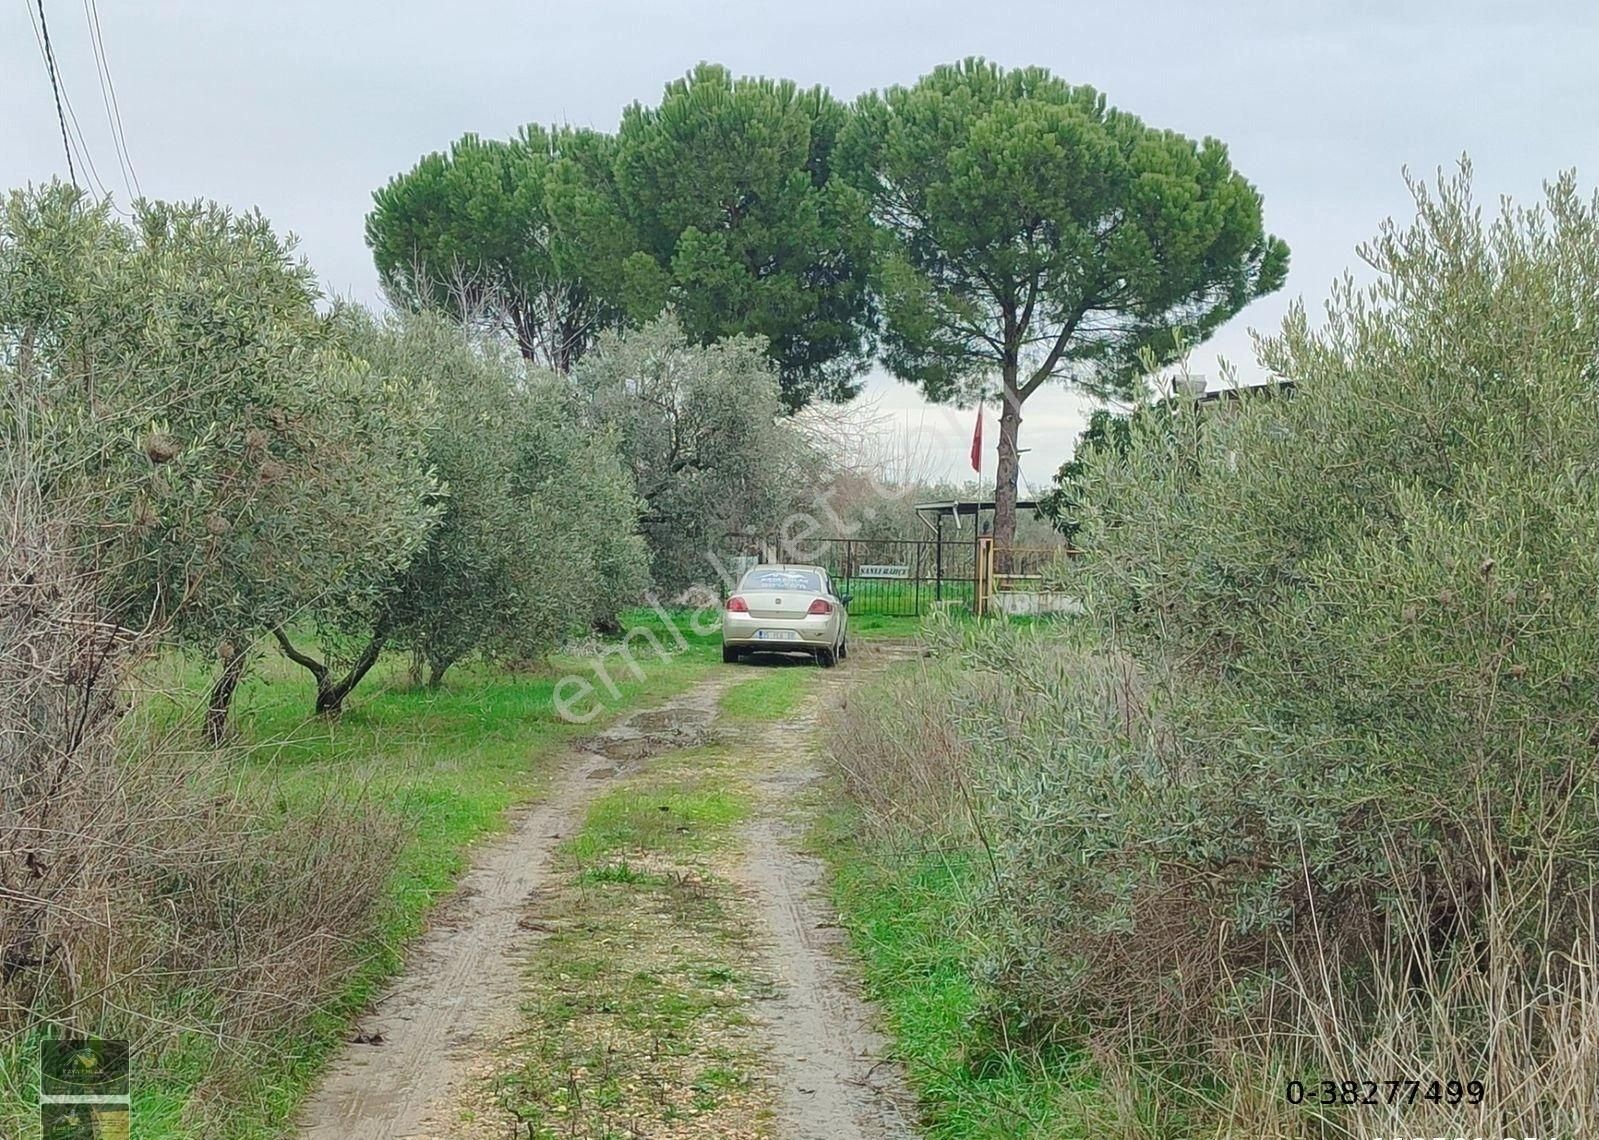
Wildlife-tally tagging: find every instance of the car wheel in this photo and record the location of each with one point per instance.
(843, 649)
(729, 655)
(825, 658)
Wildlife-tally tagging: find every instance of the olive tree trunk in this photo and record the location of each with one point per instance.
(437, 667)
(221, 699)
(331, 691)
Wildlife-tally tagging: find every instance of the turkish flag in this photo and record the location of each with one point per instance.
(977, 441)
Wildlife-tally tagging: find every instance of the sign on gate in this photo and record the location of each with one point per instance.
(884, 571)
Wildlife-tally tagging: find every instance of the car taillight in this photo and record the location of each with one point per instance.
(820, 606)
(737, 605)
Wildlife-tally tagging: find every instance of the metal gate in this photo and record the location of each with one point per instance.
(901, 577)
(908, 577)
(897, 577)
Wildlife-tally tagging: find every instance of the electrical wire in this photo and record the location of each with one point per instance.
(80, 148)
(85, 158)
(108, 96)
(43, 31)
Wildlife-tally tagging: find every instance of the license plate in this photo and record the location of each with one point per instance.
(776, 635)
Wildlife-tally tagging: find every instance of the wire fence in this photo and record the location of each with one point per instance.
(893, 577)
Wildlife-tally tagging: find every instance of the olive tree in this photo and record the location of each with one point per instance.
(704, 435)
(536, 533)
(261, 470)
(1358, 642)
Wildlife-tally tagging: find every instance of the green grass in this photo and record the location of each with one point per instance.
(868, 627)
(447, 764)
(774, 693)
(895, 596)
(638, 999)
(908, 917)
(674, 816)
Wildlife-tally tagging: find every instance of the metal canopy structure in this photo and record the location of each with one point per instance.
(933, 516)
(1239, 391)
(956, 508)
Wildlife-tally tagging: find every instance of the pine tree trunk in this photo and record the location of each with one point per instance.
(1010, 422)
(527, 340)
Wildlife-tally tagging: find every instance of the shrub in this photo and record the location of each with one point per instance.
(1341, 816)
(898, 753)
(1369, 605)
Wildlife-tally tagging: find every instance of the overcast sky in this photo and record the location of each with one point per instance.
(304, 108)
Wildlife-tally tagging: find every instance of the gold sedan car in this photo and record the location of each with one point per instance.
(786, 609)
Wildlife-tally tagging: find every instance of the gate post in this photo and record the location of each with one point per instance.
(916, 609)
(984, 573)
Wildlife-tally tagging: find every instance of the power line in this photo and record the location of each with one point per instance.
(55, 87)
(108, 96)
(61, 97)
(85, 156)
(80, 147)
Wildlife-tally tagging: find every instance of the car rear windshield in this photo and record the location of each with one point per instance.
(794, 581)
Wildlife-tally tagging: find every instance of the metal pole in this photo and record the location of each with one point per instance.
(918, 607)
(977, 562)
(849, 566)
(938, 561)
(979, 576)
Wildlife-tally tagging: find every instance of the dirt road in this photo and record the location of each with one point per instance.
(828, 1055)
(427, 1060)
(458, 995)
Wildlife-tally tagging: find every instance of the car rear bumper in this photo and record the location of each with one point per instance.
(742, 631)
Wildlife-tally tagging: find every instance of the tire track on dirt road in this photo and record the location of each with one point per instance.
(460, 991)
(833, 1074)
(448, 1028)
